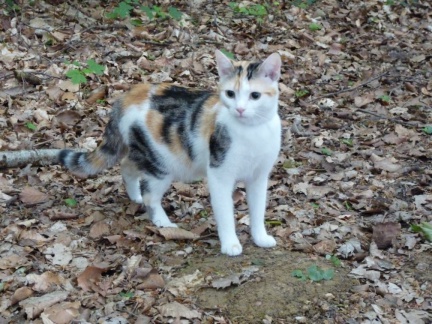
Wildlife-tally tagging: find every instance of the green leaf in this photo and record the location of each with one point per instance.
(76, 76)
(314, 27)
(136, 22)
(314, 273)
(347, 141)
(328, 274)
(301, 93)
(148, 11)
(258, 262)
(175, 13)
(334, 259)
(385, 98)
(31, 126)
(70, 202)
(228, 54)
(127, 295)
(326, 151)
(427, 130)
(425, 229)
(297, 273)
(315, 205)
(122, 11)
(95, 68)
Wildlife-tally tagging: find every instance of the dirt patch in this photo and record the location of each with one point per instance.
(273, 291)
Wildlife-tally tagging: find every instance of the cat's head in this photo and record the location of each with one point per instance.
(249, 89)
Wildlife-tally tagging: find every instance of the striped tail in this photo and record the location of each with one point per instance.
(106, 155)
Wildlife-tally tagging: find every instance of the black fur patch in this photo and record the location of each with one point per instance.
(63, 155)
(181, 108)
(252, 68)
(220, 142)
(185, 139)
(75, 161)
(113, 142)
(239, 70)
(144, 187)
(144, 155)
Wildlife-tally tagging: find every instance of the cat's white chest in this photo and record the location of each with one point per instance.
(253, 149)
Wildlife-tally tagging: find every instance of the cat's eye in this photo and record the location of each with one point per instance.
(230, 93)
(255, 95)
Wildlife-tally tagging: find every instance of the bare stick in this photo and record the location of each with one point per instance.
(16, 159)
(379, 76)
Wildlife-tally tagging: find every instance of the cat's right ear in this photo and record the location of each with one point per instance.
(224, 64)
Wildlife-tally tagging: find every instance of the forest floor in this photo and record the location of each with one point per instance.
(353, 177)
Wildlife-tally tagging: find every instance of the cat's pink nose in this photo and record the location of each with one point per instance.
(240, 110)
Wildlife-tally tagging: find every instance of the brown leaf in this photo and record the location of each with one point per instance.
(10, 262)
(225, 282)
(173, 233)
(325, 247)
(177, 310)
(99, 229)
(384, 234)
(35, 305)
(62, 313)
(89, 276)
(32, 196)
(21, 294)
(97, 94)
(364, 100)
(152, 281)
(68, 117)
(47, 281)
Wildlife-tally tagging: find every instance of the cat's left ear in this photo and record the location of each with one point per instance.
(271, 67)
(224, 64)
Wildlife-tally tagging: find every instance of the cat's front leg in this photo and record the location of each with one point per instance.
(256, 198)
(221, 199)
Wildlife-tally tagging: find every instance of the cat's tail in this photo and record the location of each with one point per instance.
(107, 154)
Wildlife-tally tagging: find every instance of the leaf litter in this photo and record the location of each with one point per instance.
(352, 180)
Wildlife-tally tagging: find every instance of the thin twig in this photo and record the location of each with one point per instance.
(388, 118)
(379, 76)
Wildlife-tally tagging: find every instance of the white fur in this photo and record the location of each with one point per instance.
(255, 143)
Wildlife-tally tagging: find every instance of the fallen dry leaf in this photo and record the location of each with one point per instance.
(32, 196)
(33, 306)
(385, 233)
(152, 281)
(172, 233)
(61, 313)
(21, 294)
(89, 277)
(99, 229)
(48, 281)
(178, 311)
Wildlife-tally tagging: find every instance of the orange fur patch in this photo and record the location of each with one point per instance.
(136, 95)
(209, 117)
(270, 92)
(175, 146)
(160, 90)
(154, 123)
(96, 159)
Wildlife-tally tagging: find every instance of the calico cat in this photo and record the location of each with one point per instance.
(164, 133)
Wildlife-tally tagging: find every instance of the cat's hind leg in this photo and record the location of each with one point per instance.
(152, 190)
(131, 178)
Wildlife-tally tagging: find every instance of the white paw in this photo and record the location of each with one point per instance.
(136, 199)
(164, 223)
(232, 248)
(265, 241)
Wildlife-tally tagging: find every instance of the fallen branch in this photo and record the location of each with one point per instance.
(379, 76)
(16, 159)
(395, 120)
